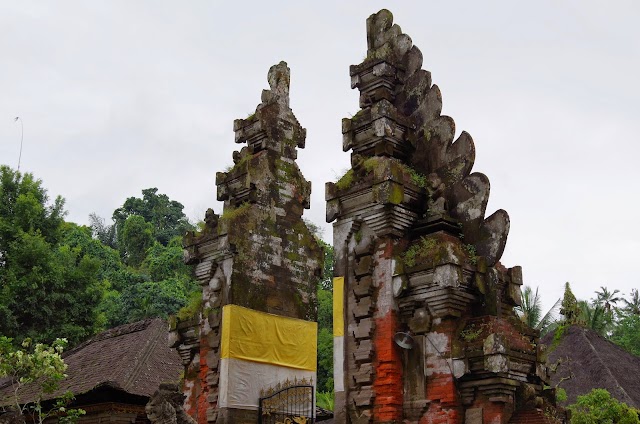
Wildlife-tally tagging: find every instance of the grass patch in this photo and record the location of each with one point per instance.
(192, 308)
(416, 250)
(471, 253)
(417, 178)
(346, 180)
(231, 214)
(370, 164)
(325, 400)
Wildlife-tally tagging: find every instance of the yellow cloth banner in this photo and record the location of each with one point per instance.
(338, 306)
(267, 338)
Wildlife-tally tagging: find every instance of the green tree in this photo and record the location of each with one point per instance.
(594, 316)
(325, 339)
(80, 237)
(136, 238)
(626, 333)
(39, 365)
(327, 269)
(632, 306)
(153, 299)
(164, 262)
(325, 322)
(165, 215)
(598, 407)
(47, 287)
(25, 208)
(102, 231)
(569, 306)
(531, 311)
(607, 299)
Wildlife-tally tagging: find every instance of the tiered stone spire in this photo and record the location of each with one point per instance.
(417, 254)
(258, 254)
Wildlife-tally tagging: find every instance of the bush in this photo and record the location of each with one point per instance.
(599, 407)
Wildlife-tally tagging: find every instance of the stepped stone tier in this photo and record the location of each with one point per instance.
(414, 252)
(258, 257)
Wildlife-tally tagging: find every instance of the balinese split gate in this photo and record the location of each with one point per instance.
(258, 265)
(428, 329)
(424, 326)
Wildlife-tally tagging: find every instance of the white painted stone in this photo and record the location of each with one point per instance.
(435, 343)
(493, 344)
(473, 416)
(188, 390)
(446, 276)
(496, 363)
(399, 285)
(459, 368)
(338, 364)
(173, 338)
(435, 347)
(383, 274)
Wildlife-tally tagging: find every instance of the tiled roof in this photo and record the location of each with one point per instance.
(134, 358)
(595, 363)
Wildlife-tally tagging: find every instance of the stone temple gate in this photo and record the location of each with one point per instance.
(258, 265)
(424, 325)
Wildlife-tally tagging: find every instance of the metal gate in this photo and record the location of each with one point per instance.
(290, 405)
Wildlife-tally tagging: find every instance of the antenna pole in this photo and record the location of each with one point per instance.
(17, 118)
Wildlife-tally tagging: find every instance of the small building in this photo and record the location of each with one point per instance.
(114, 374)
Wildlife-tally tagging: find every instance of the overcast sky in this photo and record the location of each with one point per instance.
(118, 96)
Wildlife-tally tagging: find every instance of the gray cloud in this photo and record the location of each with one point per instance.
(120, 96)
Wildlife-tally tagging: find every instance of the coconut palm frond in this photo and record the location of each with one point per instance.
(594, 316)
(607, 299)
(531, 310)
(632, 306)
(550, 318)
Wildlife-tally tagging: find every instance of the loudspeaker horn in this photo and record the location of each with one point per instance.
(404, 340)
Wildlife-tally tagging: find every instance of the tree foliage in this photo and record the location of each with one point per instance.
(137, 237)
(325, 323)
(39, 365)
(165, 216)
(104, 232)
(569, 306)
(626, 333)
(594, 316)
(607, 299)
(152, 280)
(632, 306)
(531, 311)
(47, 287)
(25, 208)
(599, 407)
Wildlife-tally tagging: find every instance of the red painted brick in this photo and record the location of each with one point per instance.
(203, 403)
(388, 385)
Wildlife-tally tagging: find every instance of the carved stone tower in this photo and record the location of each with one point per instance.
(258, 265)
(414, 253)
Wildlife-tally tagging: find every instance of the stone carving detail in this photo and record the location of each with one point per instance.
(403, 110)
(165, 406)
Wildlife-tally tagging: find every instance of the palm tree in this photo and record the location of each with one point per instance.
(594, 316)
(607, 299)
(531, 311)
(632, 307)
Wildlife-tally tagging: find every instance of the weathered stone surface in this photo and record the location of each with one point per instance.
(258, 253)
(473, 416)
(434, 268)
(165, 406)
